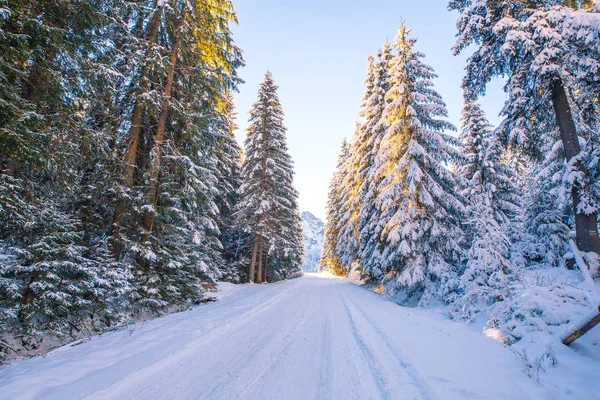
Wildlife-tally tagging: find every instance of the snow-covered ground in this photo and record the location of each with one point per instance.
(315, 337)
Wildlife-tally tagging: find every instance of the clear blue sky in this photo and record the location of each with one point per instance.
(317, 51)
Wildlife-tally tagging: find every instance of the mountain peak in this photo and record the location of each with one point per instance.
(307, 215)
(313, 240)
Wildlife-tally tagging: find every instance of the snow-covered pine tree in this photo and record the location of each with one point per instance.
(492, 206)
(483, 170)
(60, 274)
(180, 249)
(268, 207)
(537, 47)
(543, 230)
(354, 179)
(370, 226)
(139, 111)
(329, 258)
(83, 89)
(51, 285)
(110, 59)
(18, 118)
(417, 198)
(228, 155)
(46, 68)
(163, 27)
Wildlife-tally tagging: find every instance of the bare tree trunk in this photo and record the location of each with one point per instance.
(265, 267)
(586, 227)
(138, 109)
(155, 153)
(260, 261)
(582, 329)
(131, 153)
(253, 260)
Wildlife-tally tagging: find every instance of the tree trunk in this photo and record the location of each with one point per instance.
(265, 267)
(131, 153)
(138, 108)
(253, 261)
(585, 224)
(155, 153)
(28, 295)
(582, 329)
(260, 261)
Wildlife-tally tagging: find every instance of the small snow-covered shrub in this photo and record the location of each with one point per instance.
(295, 274)
(536, 364)
(546, 301)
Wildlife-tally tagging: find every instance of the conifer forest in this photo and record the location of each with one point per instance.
(152, 244)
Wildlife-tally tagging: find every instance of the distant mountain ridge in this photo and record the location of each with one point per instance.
(313, 241)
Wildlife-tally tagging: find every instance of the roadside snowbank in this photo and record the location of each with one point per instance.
(550, 302)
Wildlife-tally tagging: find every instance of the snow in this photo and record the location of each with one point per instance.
(587, 277)
(313, 228)
(312, 337)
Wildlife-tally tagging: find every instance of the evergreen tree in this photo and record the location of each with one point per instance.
(174, 242)
(544, 230)
(116, 156)
(538, 46)
(484, 173)
(354, 179)
(228, 156)
(60, 275)
(370, 223)
(268, 208)
(329, 258)
(52, 285)
(492, 207)
(417, 198)
(138, 111)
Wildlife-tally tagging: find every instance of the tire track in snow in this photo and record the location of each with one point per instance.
(192, 339)
(368, 356)
(242, 360)
(419, 382)
(287, 342)
(206, 337)
(328, 378)
(238, 363)
(213, 352)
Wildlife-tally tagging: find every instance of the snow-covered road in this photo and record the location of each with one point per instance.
(315, 337)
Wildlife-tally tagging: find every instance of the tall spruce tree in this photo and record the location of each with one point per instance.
(537, 46)
(115, 145)
(268, 208)
(492, 207)
(228, 155)
(173, 240)
(356, 166)
(60, 274)
(370, 224)
(484, 172)
(329, 256)
(419, 206)
(544, 224)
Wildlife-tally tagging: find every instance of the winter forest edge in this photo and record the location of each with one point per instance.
(124, 194)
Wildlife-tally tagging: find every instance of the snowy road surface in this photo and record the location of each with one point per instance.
(310, 338)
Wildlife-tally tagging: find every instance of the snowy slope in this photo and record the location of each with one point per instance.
(315, 337)
(313, 241)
